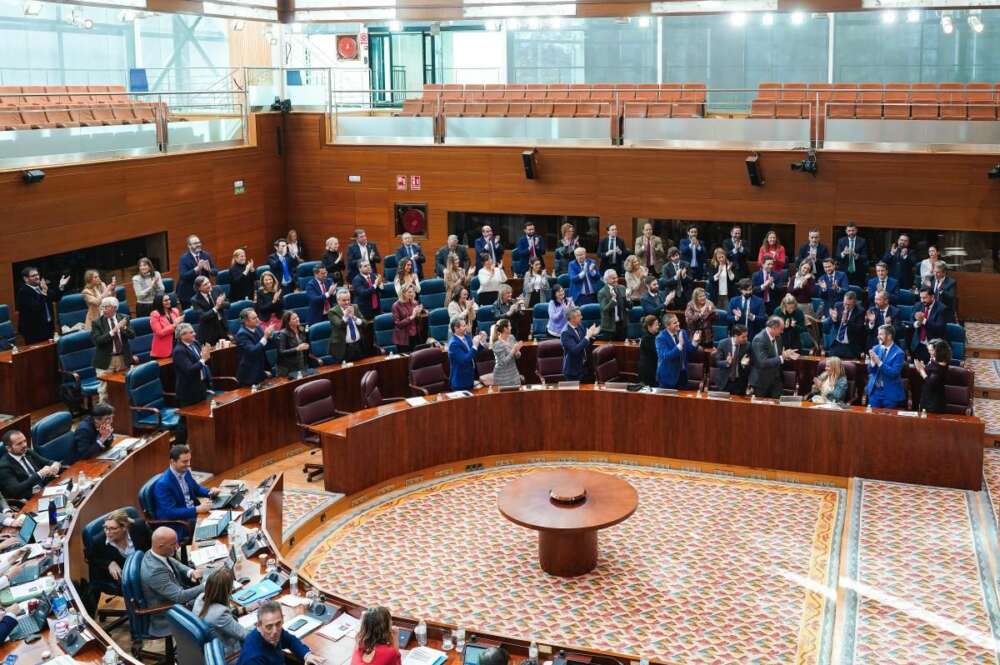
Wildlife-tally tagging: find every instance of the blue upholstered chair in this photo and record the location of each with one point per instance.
(76, 363)
(52, 436)
(168, 285)
(432, 293)
(233, 314)
(486, 317)
(634, 330)
(139, 610)
(540, 320)
(955, 335)
(7, 332)
(146, 401)
(143, 341)
(591, 315)
(71, 310)
(387, 296)
(438, 324)
(389, 265)
(299, 303)
(215, 654)
(319, 341)
(191, 635)
(304, 273)
(383, 333)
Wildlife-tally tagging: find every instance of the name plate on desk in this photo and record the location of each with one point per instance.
(568, 385)
(790, 399)
(718, 394)
(908, 414)
(664, 391)
(616, 385)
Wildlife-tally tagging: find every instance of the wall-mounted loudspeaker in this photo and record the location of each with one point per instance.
(529, 157)
(754, 170)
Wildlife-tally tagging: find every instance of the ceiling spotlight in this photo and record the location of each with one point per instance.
(513, 24)
(767, 20)
(644, 22)
(913, 16)
(238, 26)
(32, 8)
(88, 24)
(946, 25)
(888, 16)
(975, 24)
(738, 19)
(798, 18)
(807, 165)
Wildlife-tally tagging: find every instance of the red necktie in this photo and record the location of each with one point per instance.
(531, 245)
(923, 328)
(326, 299)
(374, 295)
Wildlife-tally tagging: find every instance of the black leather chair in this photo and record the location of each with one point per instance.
(550, 360)
(314, 405)
(427, 372)
(371, 394)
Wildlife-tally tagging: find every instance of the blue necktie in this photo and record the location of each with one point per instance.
(286, 276)
(353, 328)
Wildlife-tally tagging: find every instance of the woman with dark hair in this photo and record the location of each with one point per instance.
(293, 346)
(934, 373)
(213, 608)
(461, 306)
(162, 320)
(148, 287)
(376, 641)
(647, 350)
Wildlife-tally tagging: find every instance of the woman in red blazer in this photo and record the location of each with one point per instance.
(162, 320)
(772, 249)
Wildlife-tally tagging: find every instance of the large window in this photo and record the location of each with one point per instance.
(546, 56)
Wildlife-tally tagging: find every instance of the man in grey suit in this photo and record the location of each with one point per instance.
(614, 307)
(767, 358)
(165, 580)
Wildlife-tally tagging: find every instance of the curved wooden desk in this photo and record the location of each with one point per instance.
(373, 446)
(567, 507)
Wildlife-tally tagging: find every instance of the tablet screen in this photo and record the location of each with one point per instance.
(27, 529)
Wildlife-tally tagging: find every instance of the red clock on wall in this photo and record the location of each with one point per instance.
(347, 47)
(411, 218)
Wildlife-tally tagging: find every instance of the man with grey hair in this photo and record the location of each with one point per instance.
(192, 376)
(614, 305)
(266, 645)
(767, 356)
(411, 250)
(452, 247)
(345, 329)
(111, 334)
(251, 348)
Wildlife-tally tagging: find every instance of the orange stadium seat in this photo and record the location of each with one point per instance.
(541, 110)
(519, 110)
(924, 101)
(842, 100)
(603, 92)
(120, 98)
(85, 116)
(953, 99)
(659, 110)
(693, 98)
(57, 94)
(557, 92)
(625, 92)
(36, 119)
(579, 91)
(635, 109)
(431, 90)
(563, 110)
(896, 101)
(61, 118)
(453, 92)
(474, 109)
(10, 120)
(493, 92)
(473, 92)
(514, 91)
(495, 110)
(534, 91)
(454, 109)
(982, 103)
(870, 98)
(10, 95)
(124, 115)
(411, 107)
(104, 115)
(793, 96)
(647, 92)
(817, 97)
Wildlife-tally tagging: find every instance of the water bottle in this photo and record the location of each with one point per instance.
(293, 583)
(53, 516)
(421, 633)
(533, 652)
(110, 657)
(212, 405)
(81, 481)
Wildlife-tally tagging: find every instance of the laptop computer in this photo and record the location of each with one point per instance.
(31, 623)
(229, 497)
(25, 533)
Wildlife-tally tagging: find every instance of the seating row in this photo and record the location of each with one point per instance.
(897, 101)
(40, 95)
(95, 116)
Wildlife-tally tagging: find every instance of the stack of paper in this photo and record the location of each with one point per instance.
(343, 625)
(248, 621)
(425, 656)
(204, 555)
(416, 401)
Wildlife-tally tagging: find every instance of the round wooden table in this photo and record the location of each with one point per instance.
(567, 507)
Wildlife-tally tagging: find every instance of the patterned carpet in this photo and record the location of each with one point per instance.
(983, 335)
(919, 587)
(710, 569)
(989, 411)
(300, 505)
(987, 372)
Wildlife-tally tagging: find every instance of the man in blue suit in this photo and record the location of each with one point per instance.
(748, 309)
(192, 377)
(694, 253)
(176, 492)
(321, 291)
(488, 244)
(930, 321)
(462, 350)
(885, 365)
(672, 349)
(194, 263)
(852, 254)
(361, 251)
(529, 247)
(575, 342)
(766, 282)
(251, 349)
(411, 250)
(283, 265)
(831, 285)
(583, 284)
(882, 282)
(365, 286)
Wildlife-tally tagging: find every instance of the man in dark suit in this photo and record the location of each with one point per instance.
(732, 358)
(930, 321)
(489, 244)
(529, 247)
(33, 304)
(614, 308)
(902, 263)
(452, 246)
(111, 334)
(736, 252)
(321, 291)
(612, 251)
(673, 346)
(767, 358)
(177, 492)
(582, 278)
(192, 378)
(251, 348)
(852, 255)
(283, 265)
(881, 313)
(193, 263)
(366, 287)
(575, 343)
(677, 278)
(813, 250)
(411, 250)
(882, 282)
(694, 253)
(345, 330)
(211, 305)
(943, 287)
(766, 283)
(748, 309)
(847, 321)
(654, 303)
(94, 434)
(22, 469)
(831, 285)
(361, 250)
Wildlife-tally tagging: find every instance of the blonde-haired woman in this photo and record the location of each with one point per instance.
(830, 387)
(699, 316)
(506, 351)
(453, 274)
(635, 279)
(93, 292)
(722, 279)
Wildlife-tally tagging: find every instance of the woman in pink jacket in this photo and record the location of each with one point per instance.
(162, 320)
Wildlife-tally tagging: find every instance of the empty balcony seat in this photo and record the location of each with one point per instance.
(431, 90)
(953, 101)
(104, 115)
(411, 108)
(842, 101)
(592, 110)
(144, 113)
(557, 92)
(534, 91)
(635, 109)
(692, 105)
(563, 110)
(473, 92)
(924, 101)
(10, 120)
(818, 95)
(769, 91)
(124, 115)
(541, 110)
(896, 101)
(647, 92)
(762, 108)
(36, 119)
(495, 110)
(95, 94)
(453, 92)
(474, 110)
(120, 97)
(603, 92)
(625, 92)
(57, 94)
(514, 91)
(659, 110)
(870, 99)
(792, 104)
(78, 95)
(454, 109)
(85, 116)
(10, 95)
(579, 92)
(518, 110)
(61, 118)
(493, 92)
(982, 104)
